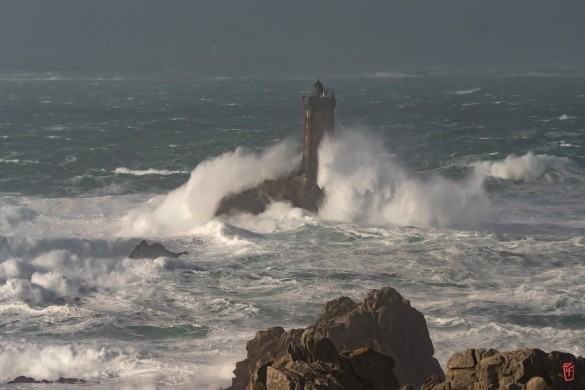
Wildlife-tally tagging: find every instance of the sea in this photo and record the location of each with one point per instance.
(464, 192)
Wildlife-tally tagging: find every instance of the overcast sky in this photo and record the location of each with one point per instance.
(357, 35)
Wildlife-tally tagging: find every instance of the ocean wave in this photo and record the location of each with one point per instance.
(527, 167)
(195, 203)
(363, 184)
(150, 171)
(18, 161)
(54, 361)
(467, 91)
(565, 117)
(62, 274)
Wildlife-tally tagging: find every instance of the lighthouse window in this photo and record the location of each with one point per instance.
(308, 115)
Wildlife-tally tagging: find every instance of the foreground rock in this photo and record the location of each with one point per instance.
(255, 200)
(387, 323)
(524, 369)
(146, 251)
(312, 362)
(384, 323)
(26, 379)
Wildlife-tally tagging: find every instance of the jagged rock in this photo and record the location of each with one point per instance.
(407, 387)
(26, 379)
(372, 368)
(529, 369)
(384, 322)
(265, 347)
(314, 363)
(146, 251)
(431, 382)
(255, 200)
(387, 323)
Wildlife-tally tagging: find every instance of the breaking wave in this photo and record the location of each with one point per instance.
(150, 171)
(195, 202)
(61, 274)
(362, 183)
(54, 361)
(467, 91)
(527, 167)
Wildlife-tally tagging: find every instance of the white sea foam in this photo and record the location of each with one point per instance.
(150, 171)
(17, 161)
(565, 117)
(527, 167)
(363, 184)
(467, 91)
(11, 216)
(58, 137)
(60, 273)
(54, 361)
(195, 202)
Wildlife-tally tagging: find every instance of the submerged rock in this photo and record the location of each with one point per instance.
(146, 251)
(26, 379)
(384, 324)
(255, 200)
(528, 369)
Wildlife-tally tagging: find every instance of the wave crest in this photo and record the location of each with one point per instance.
(363, 183)
(196, 201)
(527, 167)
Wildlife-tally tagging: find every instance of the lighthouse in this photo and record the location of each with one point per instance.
(300, 187)
(319, 116)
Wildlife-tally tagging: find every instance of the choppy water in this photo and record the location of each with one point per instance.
(463, 193)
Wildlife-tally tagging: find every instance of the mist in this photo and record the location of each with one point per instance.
(278, 36)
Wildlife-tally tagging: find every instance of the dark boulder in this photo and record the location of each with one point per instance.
(146, 251)
(26, 379)
(69, 380)
(255, 200)
(266, 346)
(387, 323)
(384, 323)
(530, 369)
(312, 362)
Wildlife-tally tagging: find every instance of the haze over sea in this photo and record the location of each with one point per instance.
(465, 193)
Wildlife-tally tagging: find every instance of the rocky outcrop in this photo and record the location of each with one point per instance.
(26, 379)
(387, 323)
(146, 251)
(524, 369)
(266, 346)
(255, 200)
(312, 362)
(384, 323)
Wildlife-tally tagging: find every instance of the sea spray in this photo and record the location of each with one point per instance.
(195, 202)
(53, 361)
(526, 167)
(362, 183)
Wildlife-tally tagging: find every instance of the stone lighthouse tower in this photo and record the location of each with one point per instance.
(319, 108)
(299, 188)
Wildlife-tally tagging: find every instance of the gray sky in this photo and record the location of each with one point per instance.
(327, 35)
